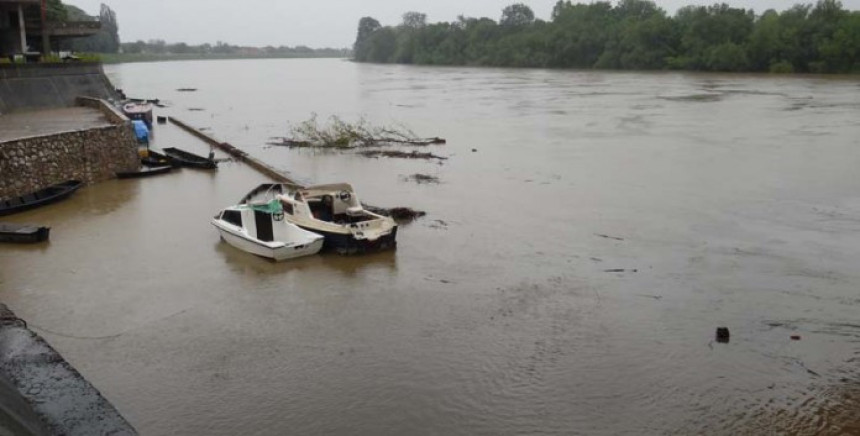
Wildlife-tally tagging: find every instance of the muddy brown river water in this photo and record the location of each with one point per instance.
(568, 278)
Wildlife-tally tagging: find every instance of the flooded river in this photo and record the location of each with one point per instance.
(588, 233)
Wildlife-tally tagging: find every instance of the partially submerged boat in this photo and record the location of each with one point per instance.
(259, 227)
(23, 233)
(153, 158)
(188, 159)
(333, 211)
(139, 111)
(42, 197)
(145, 171)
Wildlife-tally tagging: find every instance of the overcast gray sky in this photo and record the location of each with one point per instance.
(317, 23)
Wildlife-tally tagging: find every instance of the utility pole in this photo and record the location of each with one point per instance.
(46, 38)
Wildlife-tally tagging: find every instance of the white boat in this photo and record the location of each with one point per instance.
(260, 228)
(139, 111)
(332, 211)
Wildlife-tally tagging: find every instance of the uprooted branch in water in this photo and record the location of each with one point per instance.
(342, 134)
(402, 215)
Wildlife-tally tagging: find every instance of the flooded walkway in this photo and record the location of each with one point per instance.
(49, 121)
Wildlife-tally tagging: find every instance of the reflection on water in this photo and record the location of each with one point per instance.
(331, 263)
(567, 279)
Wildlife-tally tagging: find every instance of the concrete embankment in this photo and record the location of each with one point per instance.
(43, 394)
(88, 152)
(39, 86)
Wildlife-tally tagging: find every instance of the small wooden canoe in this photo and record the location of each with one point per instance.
(23, 233)
(145, 171)
(42, 197)
(190, 159)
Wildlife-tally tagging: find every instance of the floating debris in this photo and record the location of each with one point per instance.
(422, 178)
(439, 224)
(621, 270)
(723, 335)
(401, 154)
(400, 214)
(342, 134)
(186, 89)
(609, 237)
(196, 109)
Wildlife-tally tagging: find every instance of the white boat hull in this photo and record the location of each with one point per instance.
(277, 251)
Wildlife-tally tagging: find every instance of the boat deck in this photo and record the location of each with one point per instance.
(49, 121)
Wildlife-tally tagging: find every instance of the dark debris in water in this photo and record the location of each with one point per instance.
(614, 238)
(402, 215)
(422, 179)
(401, 154)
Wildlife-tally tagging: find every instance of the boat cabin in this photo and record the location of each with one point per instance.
(334, 203)
(259, 221)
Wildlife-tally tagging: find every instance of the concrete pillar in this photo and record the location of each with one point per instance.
(21, 28)
(46, 39)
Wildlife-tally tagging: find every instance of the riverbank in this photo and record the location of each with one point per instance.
(121, 58)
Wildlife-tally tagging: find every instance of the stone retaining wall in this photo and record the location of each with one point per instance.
(93, 155)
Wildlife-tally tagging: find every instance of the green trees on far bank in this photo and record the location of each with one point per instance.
(632, 34)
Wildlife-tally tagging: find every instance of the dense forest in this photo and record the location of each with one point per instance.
(632, 34)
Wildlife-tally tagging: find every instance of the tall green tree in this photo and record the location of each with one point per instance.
(366, 27)
(517, 15)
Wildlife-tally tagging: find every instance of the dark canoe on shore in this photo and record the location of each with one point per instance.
(190, 159)
(146, 171)
(42, 197)
(23, 233)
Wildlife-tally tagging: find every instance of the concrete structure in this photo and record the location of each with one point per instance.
(24, 28)
(99, 144)
(42, 394)
(38, 86)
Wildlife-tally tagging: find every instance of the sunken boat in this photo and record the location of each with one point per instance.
(145, 171)
(23, 233)
(42, 197)
(191, 160)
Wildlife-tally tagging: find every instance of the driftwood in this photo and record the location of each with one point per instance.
(380, 141)
(338, 133)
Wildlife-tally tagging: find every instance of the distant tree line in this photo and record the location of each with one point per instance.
(107, 39)
(159, 47)
(633, 34)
